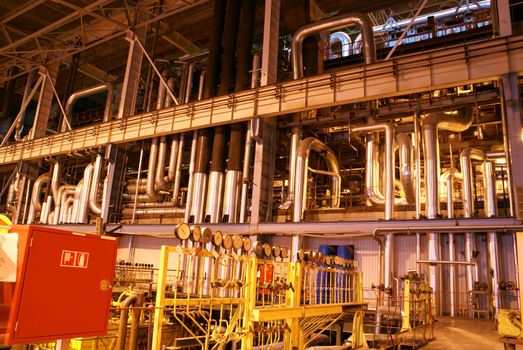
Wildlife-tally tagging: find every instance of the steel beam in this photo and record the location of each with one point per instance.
(464, 64)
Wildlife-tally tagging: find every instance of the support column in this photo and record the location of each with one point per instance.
(45, 101)
(502, 23)
(264, 130)
(116, 154)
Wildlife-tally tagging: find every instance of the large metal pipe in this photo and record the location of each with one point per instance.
(135, 300)
(152, 193)
(234, 174)
(388, 270)
(430, 126)
(306, 146)
(466, 157)
(35, 205)
(159, 181)
(246, 29)
(215, 47)
(153, 211)
(89, 92)
(63, 192)
(362, 20)
(200, 176)
(83, 208)
(178, 167)
(406, 171)
(213, 206)
(295, 143)
(94, 205)
(229, 46)
(491, 210)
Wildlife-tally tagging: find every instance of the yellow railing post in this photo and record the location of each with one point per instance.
(358, 336)
(160, 294)
(250, 303)
(405, 326)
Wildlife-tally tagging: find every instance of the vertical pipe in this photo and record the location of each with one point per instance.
(418, 166)
(137, 184)
(215, 47)
(200, 175)
(94, 205)
(491, 210)
(229, 46)
(246, 29)
(190, 186)
(234, 174)
(213, 207)
(452, 246)
(83, 208)
(178, 169)
(295, 142)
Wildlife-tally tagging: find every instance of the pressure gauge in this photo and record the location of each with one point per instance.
(183, 231)
(196, 233)
(217, 238)
(237, 242)
(276, 251)
(301, 255)
(266, 248)
(284, 252)
(247, 244)
(227, 241)
(206, 235)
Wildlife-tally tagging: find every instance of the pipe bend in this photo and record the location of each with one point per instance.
(457, 123)
(473, 154)
(96, 207)
(37, 189)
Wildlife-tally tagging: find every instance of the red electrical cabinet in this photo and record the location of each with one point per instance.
(62, 288)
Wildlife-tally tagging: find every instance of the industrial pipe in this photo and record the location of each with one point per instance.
(234, 174)
(213, 206)
(200, 176)
(302, 160)
(430, 126)
(35, 205)
(152, 193)
(389, 188)
(406, 172)
(135, 300)
(63, 192)
(491, 210)
(83, 208)
(89, 92)
(363, 21)
(94, 205)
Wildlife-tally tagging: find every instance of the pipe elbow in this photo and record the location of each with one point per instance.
(457, 123)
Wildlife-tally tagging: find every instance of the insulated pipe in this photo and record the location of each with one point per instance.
(215, 47)
(213, 207)
(466, 157)
(200, 175)
(83, 208)
(135, 300)
(63, 192)
(77, 195)
(246, 30)
(67, 210)
(491, 210)
(363, 21)
(430, 125)
(152, 193)
(178, 168)
(89, 92)
(406, 172)
(190, 185)
(35, 205)
(234, 174)
(94, 205)
(55, 181)
(344, 40)
(295, 143)
(159, 181)
(388, 270)
(229, 46)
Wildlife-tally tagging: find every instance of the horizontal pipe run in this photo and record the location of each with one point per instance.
(445, 262)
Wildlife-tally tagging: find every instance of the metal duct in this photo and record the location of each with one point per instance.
(362, 20)
(406, 172)
(159, 181)
(213, 207)
(89, 92)
(83, 208)
(215, 47)
(234, 174)
(35, 205)
(430, 126)
(94, 205)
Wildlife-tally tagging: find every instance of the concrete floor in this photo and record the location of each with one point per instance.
(464, 335)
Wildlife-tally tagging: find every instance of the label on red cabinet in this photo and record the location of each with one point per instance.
(71, 258)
